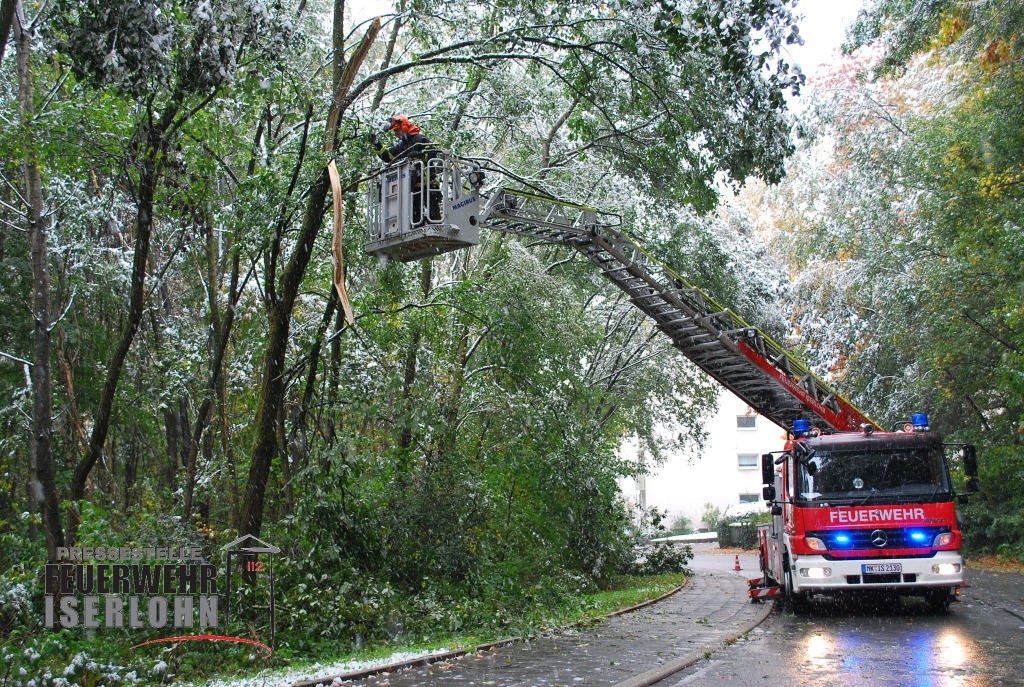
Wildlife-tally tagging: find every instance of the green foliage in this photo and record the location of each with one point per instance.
(740, 531)
(905, 29)
(681, 524)
(451, 461)
(647, 557)
(663, 558)
(712, 516)
(137, 46)
(910, 298)
(16, 608)
(994, 520)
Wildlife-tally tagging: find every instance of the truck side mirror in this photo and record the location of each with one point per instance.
(768, 493)
(767, 469)
(972, 485)
(970, 456)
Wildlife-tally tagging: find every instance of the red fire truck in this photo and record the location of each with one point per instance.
(854, 508)
(854, 512)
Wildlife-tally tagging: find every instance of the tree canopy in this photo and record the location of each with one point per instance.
(901, 221)
(459, 441)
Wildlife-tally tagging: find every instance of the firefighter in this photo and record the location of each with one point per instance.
(411, 141)
(413, 144)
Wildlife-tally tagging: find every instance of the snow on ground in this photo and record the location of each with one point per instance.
(316, 671)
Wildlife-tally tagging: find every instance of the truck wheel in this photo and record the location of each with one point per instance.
(799, 603)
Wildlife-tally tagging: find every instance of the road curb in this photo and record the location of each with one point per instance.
(430, 659)
(649, 602)
(418, 662)
(663, 671)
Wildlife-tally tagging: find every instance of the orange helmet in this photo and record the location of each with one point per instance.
(400, 124)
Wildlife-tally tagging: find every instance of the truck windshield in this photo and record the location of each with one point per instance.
(897, 474)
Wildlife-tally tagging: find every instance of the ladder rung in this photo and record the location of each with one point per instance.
(708, 344)
(734, 367)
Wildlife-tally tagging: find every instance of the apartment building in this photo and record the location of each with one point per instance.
(727, 473)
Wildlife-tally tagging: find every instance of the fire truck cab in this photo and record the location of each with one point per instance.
(854, 512)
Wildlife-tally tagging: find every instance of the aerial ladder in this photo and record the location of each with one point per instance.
(824, 537)
(419, 208)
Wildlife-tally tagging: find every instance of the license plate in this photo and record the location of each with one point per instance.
(881, 568)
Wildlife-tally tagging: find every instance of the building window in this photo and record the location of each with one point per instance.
(747, 461)
(750, 498)
(746, 422)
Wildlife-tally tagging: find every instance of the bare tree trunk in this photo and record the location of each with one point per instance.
(545, 154)
(338, 44)
(43, 479)
(204, 507)
(286, 465)
(229, 453)
(408, 379)
(189, 455)
(411, 355)
(453, 401)
(131, 470)
(154, 148)
(389, 54)
(32, 491)
(274, 362)
(173, 432)
(6, 21)
(330, 427)
(281, 295)
(299, 429)
(476, 77)
(219, 337)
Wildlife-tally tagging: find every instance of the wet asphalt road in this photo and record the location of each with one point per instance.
(690, 622)
(978, 643)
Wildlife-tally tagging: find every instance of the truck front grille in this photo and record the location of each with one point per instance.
(894, 578)
(893, 537)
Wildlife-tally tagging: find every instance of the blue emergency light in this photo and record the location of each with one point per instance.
(801, 426)
(842, 539)
(918, 536)
(919, 421)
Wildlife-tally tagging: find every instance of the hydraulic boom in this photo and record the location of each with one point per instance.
(420, 208)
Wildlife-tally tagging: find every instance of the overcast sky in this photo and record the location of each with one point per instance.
(824, 30)
(823, 26)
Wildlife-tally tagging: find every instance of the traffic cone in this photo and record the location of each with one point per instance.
(737, 566)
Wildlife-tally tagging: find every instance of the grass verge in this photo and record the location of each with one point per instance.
(997, 564)
(631, 591)
(40, 658)
(589, 609)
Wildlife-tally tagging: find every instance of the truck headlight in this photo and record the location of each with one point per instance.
(946, 569)
(944, 539)
(815, 544)
(816, 573)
